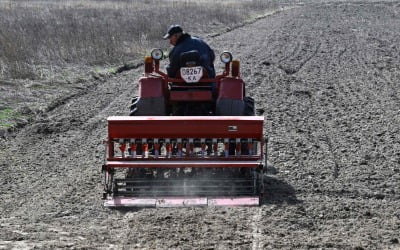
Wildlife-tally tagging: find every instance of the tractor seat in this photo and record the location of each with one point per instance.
(190, 59)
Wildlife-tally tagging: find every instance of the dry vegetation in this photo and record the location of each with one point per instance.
(38, 37)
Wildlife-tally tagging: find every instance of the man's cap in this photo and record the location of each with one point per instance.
(172, 30)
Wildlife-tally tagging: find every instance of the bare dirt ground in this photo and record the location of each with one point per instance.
(326, 77)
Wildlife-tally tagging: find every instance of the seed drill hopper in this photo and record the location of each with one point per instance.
(189, 141)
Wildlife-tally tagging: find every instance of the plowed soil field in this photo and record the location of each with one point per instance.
(326, 77)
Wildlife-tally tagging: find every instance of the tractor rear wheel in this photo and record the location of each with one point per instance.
(229, 107)
(232, 107)
(134, 107)
(153, 106)
(249, 109)
(150, 106)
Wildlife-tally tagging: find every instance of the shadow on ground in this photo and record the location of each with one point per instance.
(277, 191)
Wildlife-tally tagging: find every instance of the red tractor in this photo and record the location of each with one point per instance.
(189, 140)
(192, 93)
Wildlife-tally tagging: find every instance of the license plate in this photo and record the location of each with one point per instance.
(191, 74)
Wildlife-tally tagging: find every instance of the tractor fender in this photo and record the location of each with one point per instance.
(231, 88)
(151, 87)
(230, 101)
(151, 100)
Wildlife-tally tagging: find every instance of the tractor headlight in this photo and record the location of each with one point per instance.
(157, 54)
(226, 57)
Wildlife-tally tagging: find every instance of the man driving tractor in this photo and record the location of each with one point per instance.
(184, 42)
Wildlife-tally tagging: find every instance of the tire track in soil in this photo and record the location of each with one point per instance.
(29, 137)
(344, 95)
(256, 233)
(54, 122)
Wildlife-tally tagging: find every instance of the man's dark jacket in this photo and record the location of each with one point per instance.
(187, 43)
